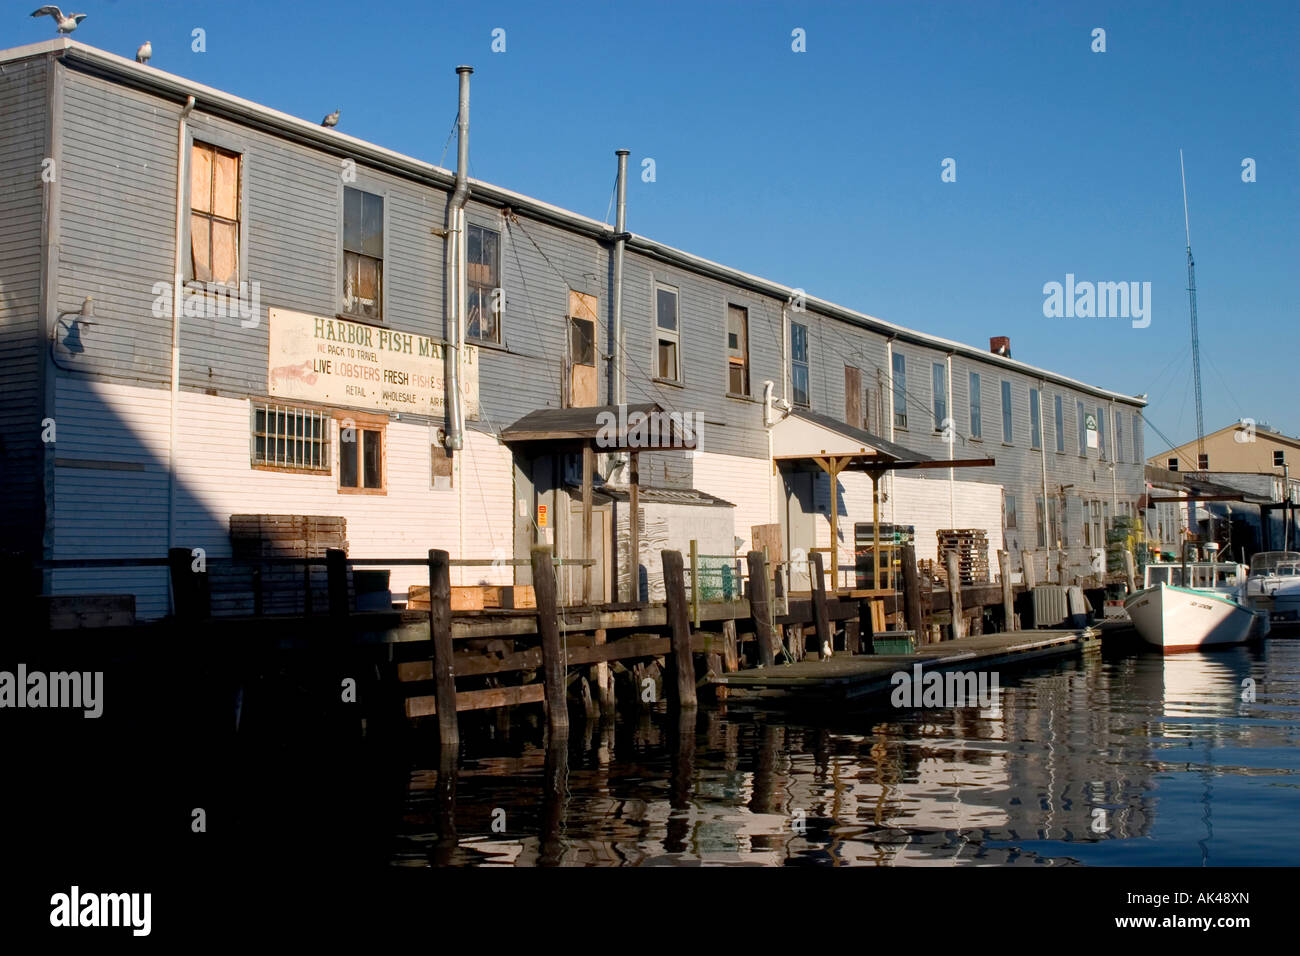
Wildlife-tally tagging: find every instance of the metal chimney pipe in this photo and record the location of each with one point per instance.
(620, 230)
(455, 272)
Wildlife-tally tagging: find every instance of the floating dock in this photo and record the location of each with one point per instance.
(840, 678)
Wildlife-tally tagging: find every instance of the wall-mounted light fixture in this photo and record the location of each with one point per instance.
(72, 337)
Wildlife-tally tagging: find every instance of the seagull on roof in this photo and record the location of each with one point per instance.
(145, 53)
(332, 120)
(66, 24)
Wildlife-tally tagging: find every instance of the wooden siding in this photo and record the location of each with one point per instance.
(24, 129)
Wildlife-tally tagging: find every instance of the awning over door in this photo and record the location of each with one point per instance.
(607, 428)
(805, 439)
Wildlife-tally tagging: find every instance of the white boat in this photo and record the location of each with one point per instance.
(1274, 584)
(1208, 613)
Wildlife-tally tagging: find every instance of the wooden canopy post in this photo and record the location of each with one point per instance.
(875, 475)
(833, 466)
(588, 466)
(634, 530)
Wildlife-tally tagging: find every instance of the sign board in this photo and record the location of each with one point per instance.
(337, 362)
(1090, 423)
(541, 516)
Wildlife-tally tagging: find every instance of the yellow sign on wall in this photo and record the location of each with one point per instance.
(337, 362)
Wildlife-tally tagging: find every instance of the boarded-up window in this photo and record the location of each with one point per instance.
(737, 350)
(853, 397)
(442, 470)
(584, 388)
(363, 254)
(214, 214)
(482, 280)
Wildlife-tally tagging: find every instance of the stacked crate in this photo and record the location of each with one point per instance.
(245, 587)
(972, 547)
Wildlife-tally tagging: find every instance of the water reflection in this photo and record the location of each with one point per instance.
(1139, 759)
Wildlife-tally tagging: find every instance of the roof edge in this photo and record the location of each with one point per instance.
(170, 85)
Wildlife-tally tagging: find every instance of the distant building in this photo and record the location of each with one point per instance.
(272, 334)
(1244, 446)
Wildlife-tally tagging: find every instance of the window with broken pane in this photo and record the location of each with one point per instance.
(482, 280)
(737, 350)
(363, 254)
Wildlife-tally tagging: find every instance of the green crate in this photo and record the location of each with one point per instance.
(894, 642)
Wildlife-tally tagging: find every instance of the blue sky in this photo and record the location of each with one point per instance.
(822, 169)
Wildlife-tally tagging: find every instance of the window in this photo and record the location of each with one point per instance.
(900, 390)
(1083, 430)
(1097, 539)
(737, 350)
(1137, 437)
(1101, 432)
(976, 401)
(668, 360)
(1060, 424)
(482, 280)
(1173, 464)
(1040, 517)
(1202, 462)
(1010, 507)
(214, 214)
(1087, 533)
(290, 438)
(1279, 459)
(361, 453)
(799, 364)
(1035, 422)
(939, 381)
(363, 254)
(582, 341)
(1119, 437)
(1007, 435)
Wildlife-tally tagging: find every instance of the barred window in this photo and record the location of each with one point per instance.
(286, 436)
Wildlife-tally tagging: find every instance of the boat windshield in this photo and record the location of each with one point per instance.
(1285, 563)
(1207, 574)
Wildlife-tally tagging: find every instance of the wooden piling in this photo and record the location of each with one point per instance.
(554, 664)
(682, 667)
(444, 676)
(760, 606)
(821, 618)
(1130, 572)
(954, 595)
(191, 600)
(1030, 569)
(911, 594)
(336, 567)
(1008, 600)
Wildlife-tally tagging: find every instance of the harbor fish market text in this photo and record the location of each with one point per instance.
(337, 362)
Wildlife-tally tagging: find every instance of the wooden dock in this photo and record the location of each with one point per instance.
(837, 679)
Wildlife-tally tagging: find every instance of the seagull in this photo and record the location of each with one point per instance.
(66, 24)
(332, 120)
(145, 53)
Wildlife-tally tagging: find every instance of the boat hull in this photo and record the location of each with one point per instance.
(1176, 619)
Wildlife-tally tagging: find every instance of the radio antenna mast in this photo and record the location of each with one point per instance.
(1196, 336)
